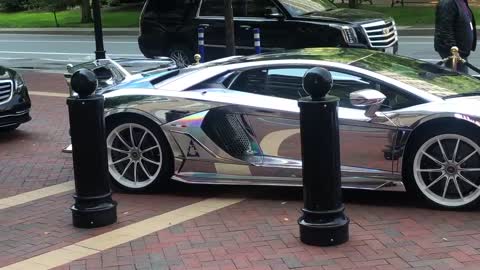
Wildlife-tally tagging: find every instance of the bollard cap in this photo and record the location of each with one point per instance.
(84, 82)
(317, 82)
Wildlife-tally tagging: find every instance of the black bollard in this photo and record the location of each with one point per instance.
(93, 206)
(323, 222)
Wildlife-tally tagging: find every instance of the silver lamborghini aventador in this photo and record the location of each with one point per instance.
(235, 121)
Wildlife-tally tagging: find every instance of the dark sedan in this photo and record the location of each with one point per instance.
(14, 100)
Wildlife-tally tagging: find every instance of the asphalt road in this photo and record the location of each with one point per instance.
(54, 52)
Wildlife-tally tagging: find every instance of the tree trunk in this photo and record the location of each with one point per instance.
(86, 12)
(352, 3)
(229, 28)
(56, 20)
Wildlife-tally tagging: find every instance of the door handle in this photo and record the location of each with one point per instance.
(204, 25)
(246, 27)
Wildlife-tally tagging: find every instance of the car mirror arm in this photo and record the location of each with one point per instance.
(372, 110)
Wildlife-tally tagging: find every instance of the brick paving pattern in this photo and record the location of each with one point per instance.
(263, 234)
(30, 157)
(388, 230)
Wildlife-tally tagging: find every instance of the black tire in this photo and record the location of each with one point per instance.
(166, 168)
(176, 50)
(9, 128)
(417, 144)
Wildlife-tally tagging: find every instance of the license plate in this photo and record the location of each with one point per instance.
(389, 50)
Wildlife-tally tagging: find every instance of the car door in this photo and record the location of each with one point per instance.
(211, 18)
(363, 140)
(251, 14)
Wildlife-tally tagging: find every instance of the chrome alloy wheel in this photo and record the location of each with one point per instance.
(180, 58)
(447, 170)
(134, 155)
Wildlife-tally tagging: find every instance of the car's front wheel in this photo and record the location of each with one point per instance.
(443, 168)
(139, 157)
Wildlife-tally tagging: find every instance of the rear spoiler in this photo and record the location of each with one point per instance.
(111, 72)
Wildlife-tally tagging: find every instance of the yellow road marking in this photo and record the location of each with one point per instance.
(48, 94)
(270, 144)
(36, 194)
(121, 236)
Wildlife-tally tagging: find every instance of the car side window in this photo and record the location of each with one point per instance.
(344, 84)
(241, 8)
(251, 8)
(212, 8)
(277, 82)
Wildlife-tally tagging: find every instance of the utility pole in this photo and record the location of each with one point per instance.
(97, 22)
(229, 28)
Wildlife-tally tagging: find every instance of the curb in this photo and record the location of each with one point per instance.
(402, 31)
(135, 32)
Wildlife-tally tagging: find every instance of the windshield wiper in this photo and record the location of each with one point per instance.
(469, 94)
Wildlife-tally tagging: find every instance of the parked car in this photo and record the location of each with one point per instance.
(169, 28)
(235, 121)
(14, 100)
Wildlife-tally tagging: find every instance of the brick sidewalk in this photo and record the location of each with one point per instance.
(388, 229)
(263, 234)
(30, 157)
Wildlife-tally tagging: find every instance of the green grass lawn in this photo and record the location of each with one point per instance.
(70, 18)
(408, 15)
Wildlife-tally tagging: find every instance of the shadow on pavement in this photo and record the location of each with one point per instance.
(359, 197)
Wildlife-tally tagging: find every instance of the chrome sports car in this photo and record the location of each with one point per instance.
(236, 121)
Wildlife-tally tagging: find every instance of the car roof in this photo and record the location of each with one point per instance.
(339, 55)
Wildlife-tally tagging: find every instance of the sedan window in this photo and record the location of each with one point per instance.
(277, 82)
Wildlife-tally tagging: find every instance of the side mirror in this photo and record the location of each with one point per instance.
(273, 13)
(372, 99)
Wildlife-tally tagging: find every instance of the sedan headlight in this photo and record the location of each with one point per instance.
(18, 82)
(349, 34)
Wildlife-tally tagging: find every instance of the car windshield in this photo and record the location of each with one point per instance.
(303, 7)
(422, 75)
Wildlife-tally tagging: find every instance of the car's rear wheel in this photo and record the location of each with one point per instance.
(444, 168)
(9, 128)
(139, 157)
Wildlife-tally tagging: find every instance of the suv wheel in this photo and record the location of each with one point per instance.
(182, 55)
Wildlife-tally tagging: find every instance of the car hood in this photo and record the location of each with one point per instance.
(346, 15)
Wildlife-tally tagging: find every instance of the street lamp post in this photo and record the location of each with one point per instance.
(97, 22)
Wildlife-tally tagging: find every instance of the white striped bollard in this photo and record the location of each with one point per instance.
(256, 38)
(201, 43)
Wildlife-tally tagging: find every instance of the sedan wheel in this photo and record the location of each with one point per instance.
(136, 156)
(446, 170)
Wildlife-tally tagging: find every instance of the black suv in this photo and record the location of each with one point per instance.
(14, 100)
(169, 28)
